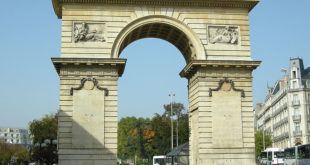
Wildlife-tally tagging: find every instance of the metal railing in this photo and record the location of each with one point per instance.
(296, 103)
(279, 110)
(267, 118)
(297, 133)
(296, 118)
(281, 137)
(281, 122)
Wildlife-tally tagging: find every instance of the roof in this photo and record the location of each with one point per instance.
(249, 4)
(306, 73)
(181, 150)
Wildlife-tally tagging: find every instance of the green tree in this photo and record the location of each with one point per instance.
(259, 145)
(181, 123)
(42, 130)
(134, 138)
(8, 151)
(145, 138)
(162, 141)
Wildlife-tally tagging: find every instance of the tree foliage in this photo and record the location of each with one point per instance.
(8, 151)
(41, 130)
(259, 145)
(144, 137)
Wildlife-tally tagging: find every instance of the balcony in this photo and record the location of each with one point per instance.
(296, 118)
(281, 137)
(280, 123)
(297, 133)
(267, 118)
(284, 105)
(296, 103)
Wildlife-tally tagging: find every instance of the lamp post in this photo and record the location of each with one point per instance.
(171, 114)
(264, 138)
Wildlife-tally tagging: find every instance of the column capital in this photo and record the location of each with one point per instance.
(191, 68)
(61, 62)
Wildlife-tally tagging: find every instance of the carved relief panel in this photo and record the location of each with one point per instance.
(223, 34)
(88, 32)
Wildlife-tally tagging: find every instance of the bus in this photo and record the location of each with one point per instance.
(298, 155)
(159, 160)
(272, 156)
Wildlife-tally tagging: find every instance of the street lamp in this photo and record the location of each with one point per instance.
(171, 114)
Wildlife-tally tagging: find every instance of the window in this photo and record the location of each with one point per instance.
(5, 134)
(294, 74)
(308, 98)
(295, 99)
(294, 84)
(297, 127)
(296, 112)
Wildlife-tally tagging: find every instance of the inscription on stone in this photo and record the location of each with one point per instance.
(223, 34)
(88, 32)
(88, 118)
(226, 113)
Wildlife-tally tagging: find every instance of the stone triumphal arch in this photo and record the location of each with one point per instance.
(213, 37)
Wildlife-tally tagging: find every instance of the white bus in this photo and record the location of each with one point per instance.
(272, 156)
(159, 160)
(298, 155)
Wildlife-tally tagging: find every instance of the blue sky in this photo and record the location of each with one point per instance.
(30, 36)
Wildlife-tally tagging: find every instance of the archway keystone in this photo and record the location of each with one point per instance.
(213, 37)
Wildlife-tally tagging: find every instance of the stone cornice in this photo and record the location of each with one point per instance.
(194, 65)
(59, 62)
(249, 4)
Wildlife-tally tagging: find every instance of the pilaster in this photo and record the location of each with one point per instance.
(220, 107)
(87, 116)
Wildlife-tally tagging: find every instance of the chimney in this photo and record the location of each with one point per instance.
(286, 79)
(259, 106)
(282, 84)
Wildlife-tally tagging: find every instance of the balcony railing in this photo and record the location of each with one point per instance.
(297, 133)
(267, 118)
(281, 137)
(280, 123)
(284, 105)
(296, 103)
(296, 118)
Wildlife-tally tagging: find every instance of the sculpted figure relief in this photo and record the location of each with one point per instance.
(84, 33)
(224, 34)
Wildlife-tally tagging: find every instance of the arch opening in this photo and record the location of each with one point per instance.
(164, 78)
(161, 31)
(165, 28)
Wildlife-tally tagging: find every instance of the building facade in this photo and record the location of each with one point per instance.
(14, 136)
(286, 110)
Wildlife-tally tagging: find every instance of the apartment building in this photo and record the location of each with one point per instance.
(286, 111)
(14, 136)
